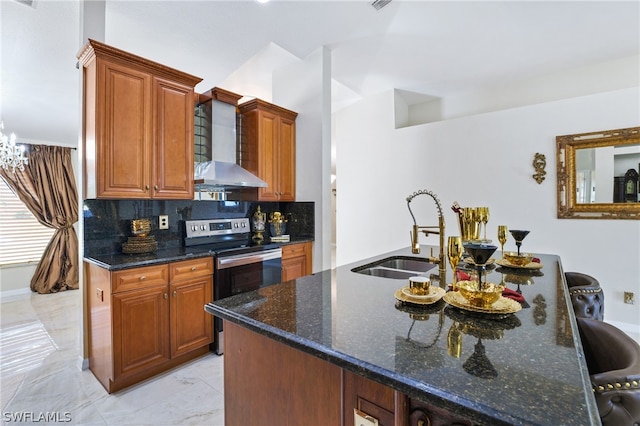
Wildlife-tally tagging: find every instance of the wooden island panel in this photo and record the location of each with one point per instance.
(259, 371)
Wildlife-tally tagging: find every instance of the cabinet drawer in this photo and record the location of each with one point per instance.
(131, 279)
(293, 250)
(191, 269)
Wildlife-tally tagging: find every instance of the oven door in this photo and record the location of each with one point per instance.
(235, 274)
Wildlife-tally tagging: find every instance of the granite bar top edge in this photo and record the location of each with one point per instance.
(102, 261)
(412, 388)
(121, 261)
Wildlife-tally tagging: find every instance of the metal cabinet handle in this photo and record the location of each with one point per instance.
(146, 187)
(175, 293)
(193, 268)
(166, 296)
(155, 187)
(143, 277)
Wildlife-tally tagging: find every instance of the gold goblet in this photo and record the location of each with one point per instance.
(483, 216)
(502, 236)
(454, 252)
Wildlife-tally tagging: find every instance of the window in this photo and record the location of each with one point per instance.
(22, 238)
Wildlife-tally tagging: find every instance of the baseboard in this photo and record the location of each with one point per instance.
(9, 295)
(83, 363)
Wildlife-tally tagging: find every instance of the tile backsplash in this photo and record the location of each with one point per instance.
(107, 222)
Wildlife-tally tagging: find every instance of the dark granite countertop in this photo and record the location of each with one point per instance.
(119, 261)
(525, 368)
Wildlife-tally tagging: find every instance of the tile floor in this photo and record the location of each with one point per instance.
(40, 375)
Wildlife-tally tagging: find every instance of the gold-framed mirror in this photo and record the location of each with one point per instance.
(596, 173)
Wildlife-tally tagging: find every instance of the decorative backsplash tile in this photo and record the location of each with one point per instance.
(107, 222)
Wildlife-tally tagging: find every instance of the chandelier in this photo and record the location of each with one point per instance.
(11, 155)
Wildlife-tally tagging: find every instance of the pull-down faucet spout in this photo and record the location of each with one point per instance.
(415, 245)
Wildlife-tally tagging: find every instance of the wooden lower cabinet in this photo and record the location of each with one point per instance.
(191, 328)
(143, 321)
(297, 260)
(140, 330)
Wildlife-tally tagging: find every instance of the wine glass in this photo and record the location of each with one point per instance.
(480, 253)
(519, 235)
(454, 251)
(483, 216)
(502, 236)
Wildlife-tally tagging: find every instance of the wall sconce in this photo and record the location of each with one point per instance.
(539, 163)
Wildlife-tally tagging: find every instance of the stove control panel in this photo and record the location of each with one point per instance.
(213, 227)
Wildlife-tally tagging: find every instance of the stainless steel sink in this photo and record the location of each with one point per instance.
(416, 264)
(396, 267)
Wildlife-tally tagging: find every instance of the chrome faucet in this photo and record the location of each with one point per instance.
(415, 245)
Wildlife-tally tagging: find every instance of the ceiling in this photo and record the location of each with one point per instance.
(435, 48)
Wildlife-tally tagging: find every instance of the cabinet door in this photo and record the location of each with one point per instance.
(123, 140)
(287, 160)
(191, 326)
(296, 261)
(294, 268)
(268, 145)
(140, 330)
(173, 140)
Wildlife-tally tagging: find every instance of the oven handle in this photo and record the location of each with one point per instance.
(248, 258)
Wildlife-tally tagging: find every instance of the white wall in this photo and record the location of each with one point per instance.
(16, 279)
(483, 159)
(305, 87)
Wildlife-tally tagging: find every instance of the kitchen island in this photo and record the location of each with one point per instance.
(312, 350)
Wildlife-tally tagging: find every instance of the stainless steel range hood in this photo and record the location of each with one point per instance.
(216, 168)
(219, 175)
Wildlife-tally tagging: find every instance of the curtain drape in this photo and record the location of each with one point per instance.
(47, 186)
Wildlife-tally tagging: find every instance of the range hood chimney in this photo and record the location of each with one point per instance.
(216, 168)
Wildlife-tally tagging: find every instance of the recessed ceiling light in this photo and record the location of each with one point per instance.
(262, 1)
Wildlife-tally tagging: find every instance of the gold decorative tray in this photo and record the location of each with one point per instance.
(404, 295)
(139, 245)
(503, 305)
(531, 265)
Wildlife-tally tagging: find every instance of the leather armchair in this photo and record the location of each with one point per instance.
(587, 297)
(613, 360)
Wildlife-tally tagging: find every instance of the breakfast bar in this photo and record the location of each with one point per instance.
(325, 347)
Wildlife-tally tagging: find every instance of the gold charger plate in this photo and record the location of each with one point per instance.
(503, 305)
(435, 294)
(531, 265)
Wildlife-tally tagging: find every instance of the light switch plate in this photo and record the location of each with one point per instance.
(360, 418)
(163, 221)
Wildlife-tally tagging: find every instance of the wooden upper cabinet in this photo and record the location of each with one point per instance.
(268, 148)
(137, 126)
(174, 144)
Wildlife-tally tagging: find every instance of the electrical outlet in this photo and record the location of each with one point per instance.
(628, 297)
(163, 221)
